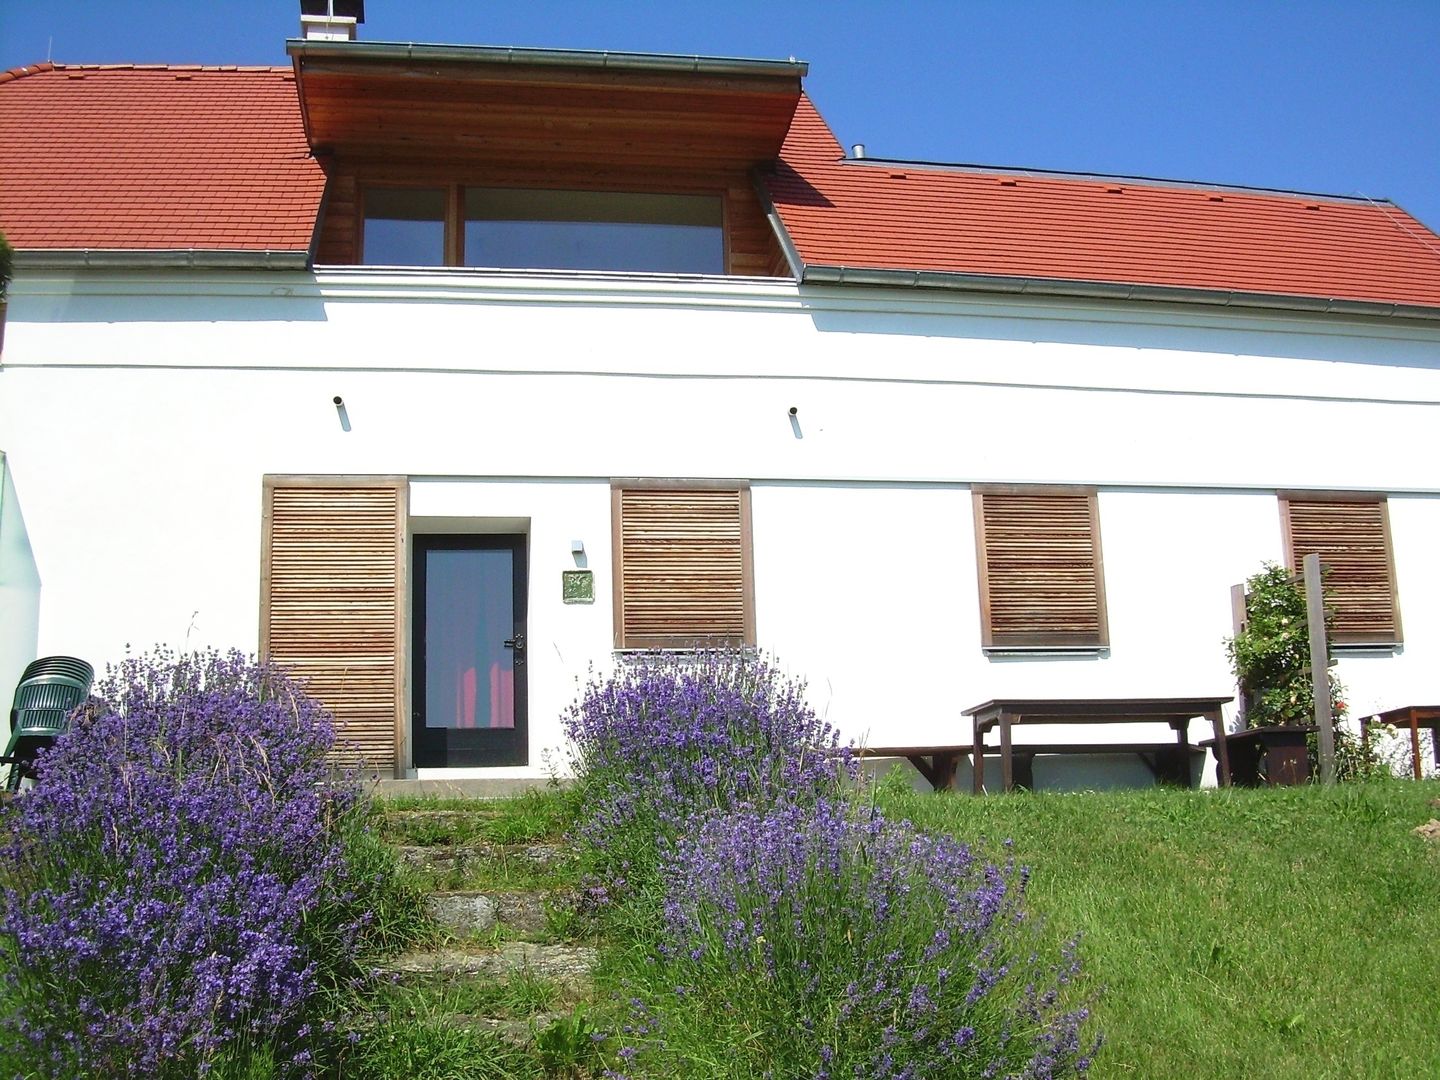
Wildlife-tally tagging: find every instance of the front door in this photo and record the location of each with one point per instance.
(469, 651)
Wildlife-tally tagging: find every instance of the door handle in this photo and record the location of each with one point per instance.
(517, 642)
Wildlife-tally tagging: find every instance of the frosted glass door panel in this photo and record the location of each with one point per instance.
(469, 618)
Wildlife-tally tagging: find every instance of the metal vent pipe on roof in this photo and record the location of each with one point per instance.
(858, 150)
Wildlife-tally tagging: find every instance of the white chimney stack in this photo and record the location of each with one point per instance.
(330, 20)
(327, 28)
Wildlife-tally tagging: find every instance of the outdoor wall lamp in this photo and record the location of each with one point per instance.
(340, 412)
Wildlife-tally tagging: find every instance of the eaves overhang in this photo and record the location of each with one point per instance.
(159, 259)
(477, 104)
(525, 57)
(811, 274)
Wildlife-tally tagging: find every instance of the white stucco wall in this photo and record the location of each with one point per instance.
(513, 398)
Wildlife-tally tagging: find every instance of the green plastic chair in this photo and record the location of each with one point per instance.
(49, 691)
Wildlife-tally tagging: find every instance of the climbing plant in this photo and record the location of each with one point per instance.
(1270, 654)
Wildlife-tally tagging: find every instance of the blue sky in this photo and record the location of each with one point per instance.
(1313, 94)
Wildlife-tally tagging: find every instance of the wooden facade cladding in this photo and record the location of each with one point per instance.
(1042, 577)
(483, 119)
(683, 572)
(751, 249)
(332, 604)
(1351, 534)
(478, 108)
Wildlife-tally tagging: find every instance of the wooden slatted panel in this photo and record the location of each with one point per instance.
(331, 611)
(683, 568)
(1352, 539)
(1041, 577)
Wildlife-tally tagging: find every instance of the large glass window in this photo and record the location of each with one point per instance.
(404, 226)
(593, 230)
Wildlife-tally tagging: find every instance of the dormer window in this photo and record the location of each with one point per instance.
(543, 229)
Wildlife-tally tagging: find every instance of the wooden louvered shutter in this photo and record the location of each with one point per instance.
(332, 604)
(1042, 580)
(682, 565)
(1352, 538)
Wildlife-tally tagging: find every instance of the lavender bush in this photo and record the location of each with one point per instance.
(174, 888)
(667, 737)
(819, 941)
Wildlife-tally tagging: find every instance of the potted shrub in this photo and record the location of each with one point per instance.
(7, 269)
(1270, 657)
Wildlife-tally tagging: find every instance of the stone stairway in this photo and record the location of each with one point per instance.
(511, 955)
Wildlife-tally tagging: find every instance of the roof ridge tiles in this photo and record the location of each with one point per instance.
(1037, 173)
(48, 66)
(28, 69)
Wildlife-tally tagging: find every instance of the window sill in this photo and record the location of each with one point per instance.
(1367, 648)
(1047, 652)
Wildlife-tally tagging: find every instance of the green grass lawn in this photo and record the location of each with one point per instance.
(1276, 933)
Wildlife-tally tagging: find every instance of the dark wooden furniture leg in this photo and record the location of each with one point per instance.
(1007, 755)
(977, 758)
(1415, 743)
(938, 768)
(945, 765)
(1024, 769)
(1222, 751)
(1182, 743)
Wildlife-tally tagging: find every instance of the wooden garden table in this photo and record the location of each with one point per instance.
(1007, 713)
(1413, 717)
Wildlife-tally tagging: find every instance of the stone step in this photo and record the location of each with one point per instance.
(443, 858)
(568, 965)
(464, 789)
(439, 817)
(473, 912)
(517, 1033)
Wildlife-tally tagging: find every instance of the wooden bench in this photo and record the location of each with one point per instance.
(936, 763)
(1168, 762)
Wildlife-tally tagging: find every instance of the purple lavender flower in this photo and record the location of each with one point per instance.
(161, 881)
(668, 736)
(840, 942)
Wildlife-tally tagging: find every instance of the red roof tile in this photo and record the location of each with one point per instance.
(151, 156)
(887, 215)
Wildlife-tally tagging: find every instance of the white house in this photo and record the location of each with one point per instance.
(443, 373)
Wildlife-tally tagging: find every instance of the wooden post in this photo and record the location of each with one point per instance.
(1238, 616)
(1320, 666)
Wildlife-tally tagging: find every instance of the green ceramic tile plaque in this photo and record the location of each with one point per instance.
(577, 586)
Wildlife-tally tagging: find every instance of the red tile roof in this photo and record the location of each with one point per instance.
(169, 157)
(1002, 223)
(130, 156)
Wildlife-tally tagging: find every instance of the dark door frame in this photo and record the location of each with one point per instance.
(470, 747)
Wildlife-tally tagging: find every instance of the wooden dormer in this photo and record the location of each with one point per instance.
(440, 143)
